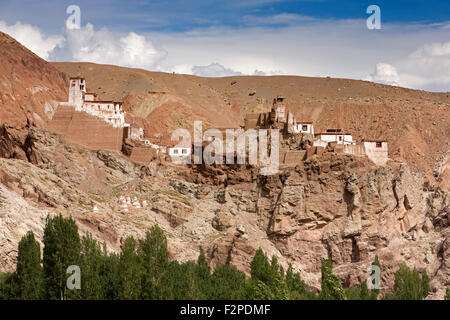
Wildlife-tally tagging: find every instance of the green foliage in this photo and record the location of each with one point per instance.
(203, 276)
(227, 283)
(260, 267)
(361, 292)
(91, 264)
(376, 262)
(130, 272)
(154, 259)
(8, 286)
(409, 285)
(447, 294)
(425, 284)
(61, 249)
(331, 285)
(29, 273)
(143, 270)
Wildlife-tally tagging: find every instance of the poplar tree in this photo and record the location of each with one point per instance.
(425, 284)
(61, 250)
(203, 275)
(129, 272)
(91, 262)
(260, 268)
(154, 259)
(227, 283)
(29, 273)
(331, 284)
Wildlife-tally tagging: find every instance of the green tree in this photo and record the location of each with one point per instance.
(29, 273)
(203, 275)
(130, 273)
(91, 261)
(361, 292)
(277, 282)
(154, 259)
(61, 250)
(227, 283)
(407, 285)
(8, 286)
(109, 275)
(376, 262)
(425, 284)
(447, 294)
(297, 287)
(260, 268)
(331, 285)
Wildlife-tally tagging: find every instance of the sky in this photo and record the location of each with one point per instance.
(246, 37)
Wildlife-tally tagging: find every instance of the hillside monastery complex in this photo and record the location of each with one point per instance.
(101, 124)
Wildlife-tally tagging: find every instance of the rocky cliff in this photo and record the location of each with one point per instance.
(331, 205)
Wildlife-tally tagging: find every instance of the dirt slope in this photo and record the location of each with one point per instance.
(414, 122)
(30, 87)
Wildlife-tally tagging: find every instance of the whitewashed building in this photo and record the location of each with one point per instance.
(304, 127)
(376, 150)
(333, 135)
(109, 111)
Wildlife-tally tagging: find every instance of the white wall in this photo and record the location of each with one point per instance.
(179, 151)
(309, 128)
(379, 155)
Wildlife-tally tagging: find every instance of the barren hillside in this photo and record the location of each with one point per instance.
(415, 123)
(30, 88)
(326, 205)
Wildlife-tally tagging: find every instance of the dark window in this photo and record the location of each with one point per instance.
(340, 138)
(184, 151)
(304, 127)
(378, 144)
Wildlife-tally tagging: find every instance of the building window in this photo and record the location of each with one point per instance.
(340, 138)
(304, 127)
(379, 144)
(184, 151)
(175, 151)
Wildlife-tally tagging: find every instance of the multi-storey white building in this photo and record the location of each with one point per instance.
(332, 135)
(82, 100)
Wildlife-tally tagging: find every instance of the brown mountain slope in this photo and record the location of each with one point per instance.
(30, 87)
(414, 122)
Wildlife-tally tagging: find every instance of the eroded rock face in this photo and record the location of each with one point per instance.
(329, 206)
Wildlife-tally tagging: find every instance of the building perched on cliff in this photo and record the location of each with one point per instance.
(83, 101)
(335, 140)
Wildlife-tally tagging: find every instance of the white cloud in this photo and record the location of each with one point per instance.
(32, 38)
(428, 68)
(103, 46)
(214, 70)
(414, 56)
(384, 73)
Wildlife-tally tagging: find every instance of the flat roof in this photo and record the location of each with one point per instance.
(373, 140)
(101, 101)
(333, 133)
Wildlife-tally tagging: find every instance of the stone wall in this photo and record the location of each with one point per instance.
(142, 155)
(294, 157)
(86, 130)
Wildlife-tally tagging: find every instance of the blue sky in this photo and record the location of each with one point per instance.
(182, 15)
(219, 38)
